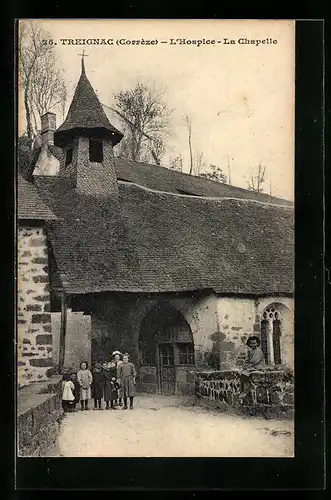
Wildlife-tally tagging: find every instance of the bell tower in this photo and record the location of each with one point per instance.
(87, 139)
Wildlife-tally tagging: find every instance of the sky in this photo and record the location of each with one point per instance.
(240, 96)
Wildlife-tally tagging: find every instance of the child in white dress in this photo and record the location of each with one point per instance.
(68, 397)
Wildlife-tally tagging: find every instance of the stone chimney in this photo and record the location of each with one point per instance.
(48, 127)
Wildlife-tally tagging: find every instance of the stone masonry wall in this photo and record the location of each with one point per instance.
(38, 418)
(34, 318)
(91, 178)
(238, 319)
(201, 314)
(272, 391)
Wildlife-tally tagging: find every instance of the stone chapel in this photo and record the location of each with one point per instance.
(115, 254)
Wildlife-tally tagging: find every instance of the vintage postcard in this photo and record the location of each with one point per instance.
(155, 238)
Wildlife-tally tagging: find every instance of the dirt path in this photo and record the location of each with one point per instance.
(161, 427)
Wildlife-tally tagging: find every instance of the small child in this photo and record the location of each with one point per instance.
(97, 386)
(76, 390)
(110, 385)
(116, 385)
(68, 397)
(85, 379)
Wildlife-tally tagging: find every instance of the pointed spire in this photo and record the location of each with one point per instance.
(83, 65)
(86, 115)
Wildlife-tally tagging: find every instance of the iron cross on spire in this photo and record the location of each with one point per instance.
(83, 55)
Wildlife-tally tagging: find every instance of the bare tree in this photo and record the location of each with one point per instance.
(214, 173)
(198, 164)
(229, 171)
(176, 163)
(39, 75)
(145, 121)
(255, 182)
(188, 121)
(196, 160)
(47, 88)
(156, 150)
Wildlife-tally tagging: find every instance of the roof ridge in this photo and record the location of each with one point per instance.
(203, 179)
(210, 198)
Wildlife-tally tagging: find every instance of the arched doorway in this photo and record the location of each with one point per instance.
(166, 352)
(277, 335)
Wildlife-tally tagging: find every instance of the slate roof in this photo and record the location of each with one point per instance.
(56, 151)
(85, 114)
(30, 206)
(172, 181)
(155, 242)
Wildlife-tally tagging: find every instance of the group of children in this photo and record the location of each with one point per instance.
(111, 381)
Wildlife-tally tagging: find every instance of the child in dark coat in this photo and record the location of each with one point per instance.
(76, 390)
(97, 386)
(117, 357)
(110, 385)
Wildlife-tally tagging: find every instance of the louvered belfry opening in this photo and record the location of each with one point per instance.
(95, 151)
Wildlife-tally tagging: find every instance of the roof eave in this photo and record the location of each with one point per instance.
(64, 136)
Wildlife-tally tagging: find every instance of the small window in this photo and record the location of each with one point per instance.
(95, 150)
(166, 354)
(185, 354)
(68, 156)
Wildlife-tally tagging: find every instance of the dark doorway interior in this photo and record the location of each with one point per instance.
(166, 352)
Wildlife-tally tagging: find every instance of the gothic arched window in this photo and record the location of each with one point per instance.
(271, 332)
(264, 336)
(276, 335)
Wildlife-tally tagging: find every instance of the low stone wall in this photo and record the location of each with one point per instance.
(272, 392)
(39, 413)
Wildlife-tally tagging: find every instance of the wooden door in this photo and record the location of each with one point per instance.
(167, 369)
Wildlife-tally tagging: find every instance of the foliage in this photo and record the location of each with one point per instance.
(214, 173)
(176, 163)
(24, 158)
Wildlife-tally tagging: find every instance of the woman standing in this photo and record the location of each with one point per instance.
(127, 377)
